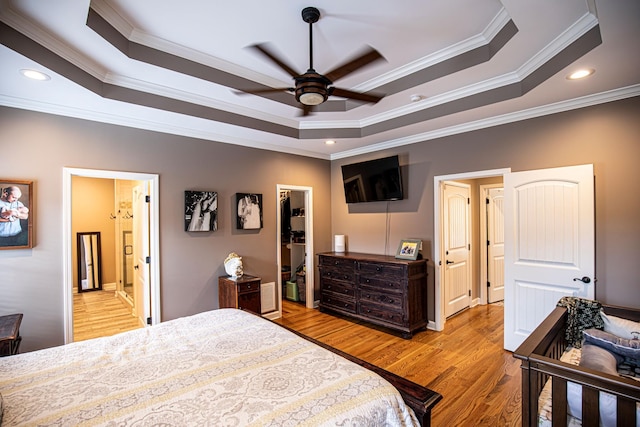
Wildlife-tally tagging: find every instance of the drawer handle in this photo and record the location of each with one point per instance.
(248, 286)
(368, 281)
(346, 305)
(378, 268)
(328, 286)
(390, 301)
(346, 277)
(346, 291)
(368, 311)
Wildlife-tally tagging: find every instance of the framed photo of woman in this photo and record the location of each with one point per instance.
(16, 214)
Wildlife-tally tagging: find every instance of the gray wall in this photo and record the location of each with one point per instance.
(608, 136)
(38, 146)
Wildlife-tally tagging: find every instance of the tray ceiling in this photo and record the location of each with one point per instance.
(450, 66)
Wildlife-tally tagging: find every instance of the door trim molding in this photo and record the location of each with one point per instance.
(438, 181)
(154, 238)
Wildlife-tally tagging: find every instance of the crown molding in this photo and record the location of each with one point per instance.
(150, 125)
(559, 107)
(45, 39)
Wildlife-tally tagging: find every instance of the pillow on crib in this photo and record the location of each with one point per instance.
(621, 346)
(621, 327)
(599, 359)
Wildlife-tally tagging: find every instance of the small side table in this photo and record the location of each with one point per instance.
(10, 334)
(240, 292)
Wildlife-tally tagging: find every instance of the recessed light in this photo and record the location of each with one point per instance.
(580, 74)
(329, 142)
(35, 75)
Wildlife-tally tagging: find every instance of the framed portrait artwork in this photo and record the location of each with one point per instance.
(200, 210)
(16, 214)
(249, 211)
(408, 249)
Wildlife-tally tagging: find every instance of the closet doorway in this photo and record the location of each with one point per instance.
(295, 245)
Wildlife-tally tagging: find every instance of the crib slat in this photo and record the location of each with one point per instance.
(559, 402)
(626, 412)
(590, 407)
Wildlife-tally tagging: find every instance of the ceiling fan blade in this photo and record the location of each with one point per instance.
(369, 56)
(263, 49)
(306, 110)
(266, 90)
(366, 97)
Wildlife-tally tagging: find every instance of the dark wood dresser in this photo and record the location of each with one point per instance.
(10, 334)
(239, 292)
(380, 289)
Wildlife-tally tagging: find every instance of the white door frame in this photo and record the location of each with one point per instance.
(438, 181)
(309, 255)
(484, 193)
(154, 238)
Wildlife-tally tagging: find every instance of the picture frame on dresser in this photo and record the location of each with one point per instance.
(408, 249)
(16, 214)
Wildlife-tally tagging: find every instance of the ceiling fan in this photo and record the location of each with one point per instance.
(312, 88)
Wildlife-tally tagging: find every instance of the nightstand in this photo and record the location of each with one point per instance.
(10, 334)
(239, 292)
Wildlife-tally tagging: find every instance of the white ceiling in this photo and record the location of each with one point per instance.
(515, 56)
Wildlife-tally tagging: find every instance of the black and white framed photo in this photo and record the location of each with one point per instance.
(200, 210)
(249, 211)
(408, 249)
(16, 214)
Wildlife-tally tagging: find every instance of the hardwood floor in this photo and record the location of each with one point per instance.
(478, 379)
(100, 314)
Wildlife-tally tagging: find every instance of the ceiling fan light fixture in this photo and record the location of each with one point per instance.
(311, 98)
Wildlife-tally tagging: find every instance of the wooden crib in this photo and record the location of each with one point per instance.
(540, 355)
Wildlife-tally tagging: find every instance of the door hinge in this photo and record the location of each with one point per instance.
(469, 292)
(468, 201)
(488, 284)
(487, 200)
(148, 320)
(147, 199)
(488, 243)
(469, 246)
(147, 260)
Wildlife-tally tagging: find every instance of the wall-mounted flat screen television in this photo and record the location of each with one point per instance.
(373, 180)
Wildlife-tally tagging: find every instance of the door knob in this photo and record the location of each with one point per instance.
(584, 279)
(449, 262)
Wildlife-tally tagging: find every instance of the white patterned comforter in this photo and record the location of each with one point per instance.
(219, 368)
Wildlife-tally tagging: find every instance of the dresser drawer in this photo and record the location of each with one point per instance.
(341, 288)
(341, 263)
(330, 300)
(379, 269)
(345, 275)
(392, 300)
(379, 312)
(386, 284)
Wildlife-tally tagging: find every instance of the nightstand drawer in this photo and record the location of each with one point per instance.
(248, 287)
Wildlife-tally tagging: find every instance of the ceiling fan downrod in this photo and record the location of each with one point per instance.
(310, 15)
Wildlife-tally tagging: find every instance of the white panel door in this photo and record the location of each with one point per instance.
(457, 278)
(495, 245)
(549, 244)
(141, 284)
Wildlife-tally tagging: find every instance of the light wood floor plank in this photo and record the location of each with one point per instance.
(100, 314)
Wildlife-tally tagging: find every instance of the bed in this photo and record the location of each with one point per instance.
(557, 391)
(224, 367)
